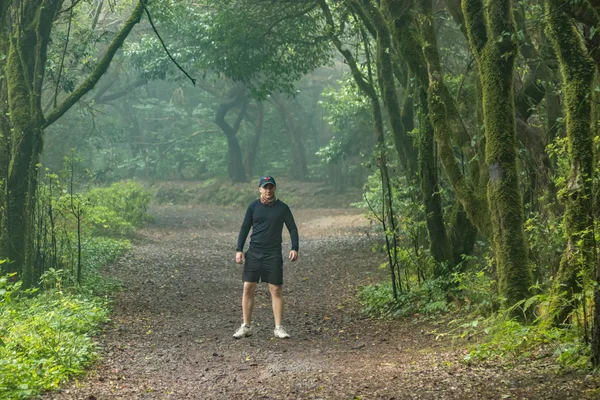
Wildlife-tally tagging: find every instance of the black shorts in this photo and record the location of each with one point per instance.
(263, 267)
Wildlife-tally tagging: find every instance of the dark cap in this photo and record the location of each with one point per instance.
(265, 180)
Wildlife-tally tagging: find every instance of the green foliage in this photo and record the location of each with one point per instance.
(412, 251)
(509, 340)
(211, 191)
(97, 252)
(47, 338)
(104, 221)
(428, 299)
(475, 290)
(348, 112)
(545, 236)
(128, 200)
(232, 39)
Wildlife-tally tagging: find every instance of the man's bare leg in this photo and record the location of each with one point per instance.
(277, 300)
(248, 301)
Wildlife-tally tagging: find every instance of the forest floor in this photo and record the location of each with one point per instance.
(171, 331)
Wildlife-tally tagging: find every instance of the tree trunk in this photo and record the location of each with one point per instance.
(577, 70)
(473, 201)
(423, 61)
(235, 163)
(24, 74)
(254, 144)
(299, 168)
(439, 243)
(24, 71)
(462, 232)
(4, 161)
(368, 88)
(490, 30)
(387, 84)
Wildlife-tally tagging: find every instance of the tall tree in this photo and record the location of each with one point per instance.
(492, 38)
(577, 70)
(419, 51)
(264, 46)
(26, 30)
(299, 167)
(367, 85)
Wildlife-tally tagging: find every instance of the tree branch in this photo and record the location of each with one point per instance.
(584, 12)
(236, 96)
(473, 12)
(62, 58)
(163, 43)
(120, 93)
(100, 69)
(358, 77)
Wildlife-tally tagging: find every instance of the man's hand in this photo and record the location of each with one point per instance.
(293, 255)
(239, 257)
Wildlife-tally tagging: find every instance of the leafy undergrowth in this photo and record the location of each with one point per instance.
(493, 335)
(46, 338)
(116, 210)
(509, 341)
(221, 192)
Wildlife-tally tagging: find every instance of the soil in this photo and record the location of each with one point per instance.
(171, 332)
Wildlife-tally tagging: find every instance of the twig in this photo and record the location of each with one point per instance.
(62, 59)
(70, 9)
(163, 43)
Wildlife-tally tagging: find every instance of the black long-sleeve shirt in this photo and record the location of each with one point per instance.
(267, 225)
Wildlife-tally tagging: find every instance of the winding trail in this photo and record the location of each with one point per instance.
(170, 337)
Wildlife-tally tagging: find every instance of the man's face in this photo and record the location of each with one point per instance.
(267, 191)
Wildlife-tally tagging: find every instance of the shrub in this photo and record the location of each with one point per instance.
(128, 199)
(47, 338)
(103, 221)
(510, 340)
(427, 298)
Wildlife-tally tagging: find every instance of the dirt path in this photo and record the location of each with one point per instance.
(170, 337)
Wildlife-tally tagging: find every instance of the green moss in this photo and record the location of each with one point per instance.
(387, 84)
(490, 39)
(438, 238)
(577, 70)
(474, 202)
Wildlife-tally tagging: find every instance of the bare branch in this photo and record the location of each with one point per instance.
(163, 43)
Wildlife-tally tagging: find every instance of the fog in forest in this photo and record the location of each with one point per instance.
(439, 158)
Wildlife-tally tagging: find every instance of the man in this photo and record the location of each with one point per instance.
(263, 261)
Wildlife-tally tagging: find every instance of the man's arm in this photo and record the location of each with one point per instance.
(245, 229)
(293, 230)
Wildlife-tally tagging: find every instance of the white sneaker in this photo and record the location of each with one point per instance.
(243, 331)
(281, 333)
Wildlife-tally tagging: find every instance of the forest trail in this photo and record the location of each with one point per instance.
(171, 334)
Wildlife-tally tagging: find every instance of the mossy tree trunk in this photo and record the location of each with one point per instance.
(367, 86)
(4, 131)
(577, 70)
(491, 33)
(422, 158)
(473, 201)
(436, 98)
(422, 57)
(27, 42)
(387, 84)
(441, 248)
(24, 72)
